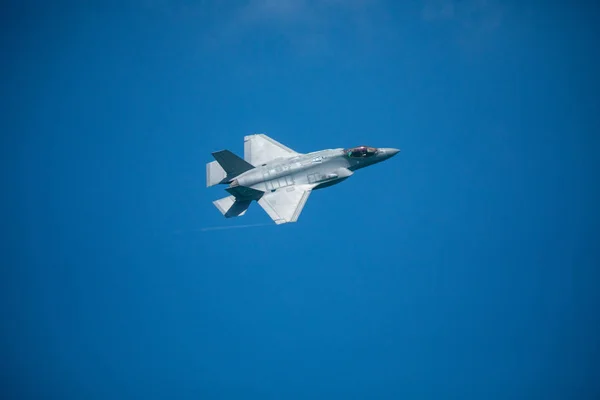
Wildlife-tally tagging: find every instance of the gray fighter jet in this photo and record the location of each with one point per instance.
(281, 179)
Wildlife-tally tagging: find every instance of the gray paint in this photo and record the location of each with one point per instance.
(282, 184)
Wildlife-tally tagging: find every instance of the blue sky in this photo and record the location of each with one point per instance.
(465, 267)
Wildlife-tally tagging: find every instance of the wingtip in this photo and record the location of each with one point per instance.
(248, 137)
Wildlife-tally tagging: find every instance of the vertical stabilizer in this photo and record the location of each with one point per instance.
(232, 164)
(226, 167)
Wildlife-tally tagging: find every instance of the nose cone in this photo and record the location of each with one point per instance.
(389, 152)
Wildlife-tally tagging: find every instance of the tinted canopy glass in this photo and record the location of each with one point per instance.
(361, 152)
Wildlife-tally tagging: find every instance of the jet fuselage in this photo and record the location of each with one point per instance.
(323, 168)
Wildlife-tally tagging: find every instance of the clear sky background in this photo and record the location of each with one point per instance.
(466, 267)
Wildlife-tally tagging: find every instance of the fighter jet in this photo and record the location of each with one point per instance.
(281, 179)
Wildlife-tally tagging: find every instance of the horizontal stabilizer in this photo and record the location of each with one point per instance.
(230, 207)
(231, 164)
(214, 174)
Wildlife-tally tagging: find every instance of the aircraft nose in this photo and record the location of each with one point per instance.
(389, 152)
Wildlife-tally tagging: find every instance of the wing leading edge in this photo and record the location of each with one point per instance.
(260, 149)
(285, 205)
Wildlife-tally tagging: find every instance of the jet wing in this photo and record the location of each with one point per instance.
(286, 204)
(260, 149)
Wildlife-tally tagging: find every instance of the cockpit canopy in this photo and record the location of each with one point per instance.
(360, 152)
